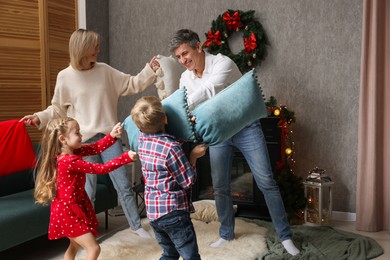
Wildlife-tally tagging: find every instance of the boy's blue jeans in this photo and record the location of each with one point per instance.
(176, 235)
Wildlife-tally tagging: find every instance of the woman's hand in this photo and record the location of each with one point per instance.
(31, 120)
(154, 64)
(133, 155)
(116, 131)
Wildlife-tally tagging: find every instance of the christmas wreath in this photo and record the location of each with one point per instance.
(255, 39)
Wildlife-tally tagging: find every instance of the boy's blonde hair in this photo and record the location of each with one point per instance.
(81, 43)
(45, 182)
(148, 114)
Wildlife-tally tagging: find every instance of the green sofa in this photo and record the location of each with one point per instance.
(22, 220)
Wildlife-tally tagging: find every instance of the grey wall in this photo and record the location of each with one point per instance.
(97, 20)
(312, 67)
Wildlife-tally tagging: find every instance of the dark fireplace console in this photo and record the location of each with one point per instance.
(246, 195)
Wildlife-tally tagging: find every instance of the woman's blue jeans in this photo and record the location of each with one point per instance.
(175, 233)
(119, 178)
(251, 142)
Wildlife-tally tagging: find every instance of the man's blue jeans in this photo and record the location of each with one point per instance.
(251, 142)
(119, 178)
(176, 235)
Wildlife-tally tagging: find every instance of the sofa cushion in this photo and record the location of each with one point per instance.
(21, 219)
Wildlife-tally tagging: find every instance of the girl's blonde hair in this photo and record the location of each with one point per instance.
(81, 42)
(148, 114)
(45, 181)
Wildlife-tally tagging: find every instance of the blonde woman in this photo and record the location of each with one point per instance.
(88, 91)
(61, 179)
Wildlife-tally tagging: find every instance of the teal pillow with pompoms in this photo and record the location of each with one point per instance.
(230, 110)
(179, 124)
(217, 119)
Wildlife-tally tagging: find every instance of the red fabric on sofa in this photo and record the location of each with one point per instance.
(16, 150)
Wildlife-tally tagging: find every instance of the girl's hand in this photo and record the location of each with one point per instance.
(133, 155)
(116, 131)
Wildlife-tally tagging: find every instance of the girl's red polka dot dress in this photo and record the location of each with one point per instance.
(72, 213)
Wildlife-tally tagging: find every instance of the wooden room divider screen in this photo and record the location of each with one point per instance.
(34, 37)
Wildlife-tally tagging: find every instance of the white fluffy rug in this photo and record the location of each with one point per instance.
(249, 243)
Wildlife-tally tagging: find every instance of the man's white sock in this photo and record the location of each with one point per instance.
(290, 247)
(218, 243)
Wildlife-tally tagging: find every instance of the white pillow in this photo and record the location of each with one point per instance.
(169, 76)
(206, 211)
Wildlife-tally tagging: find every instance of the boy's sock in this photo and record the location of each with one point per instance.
(142, 233)
(290, 247)
(218, 243)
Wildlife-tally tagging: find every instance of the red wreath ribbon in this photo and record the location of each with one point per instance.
(216, 37)
(250, 43)
(232, 22)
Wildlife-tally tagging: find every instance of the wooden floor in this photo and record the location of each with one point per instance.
(43, 249)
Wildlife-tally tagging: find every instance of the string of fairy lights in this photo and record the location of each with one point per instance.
(287, 144)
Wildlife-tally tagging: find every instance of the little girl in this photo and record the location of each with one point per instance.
(61, 179)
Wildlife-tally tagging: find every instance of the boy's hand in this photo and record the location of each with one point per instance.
(116, 131)
(197, 152)
(133, 155)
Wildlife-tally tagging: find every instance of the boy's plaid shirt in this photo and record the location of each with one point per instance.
(168, 175)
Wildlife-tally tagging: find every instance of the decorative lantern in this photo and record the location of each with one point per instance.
(318, 191)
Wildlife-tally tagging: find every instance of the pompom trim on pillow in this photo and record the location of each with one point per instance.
(168, 76)
(179, 116)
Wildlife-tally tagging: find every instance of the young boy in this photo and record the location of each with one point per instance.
(169, 176)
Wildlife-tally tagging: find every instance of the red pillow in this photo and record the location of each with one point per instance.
(16, 150)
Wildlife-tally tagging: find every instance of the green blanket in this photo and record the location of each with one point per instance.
(317, 243)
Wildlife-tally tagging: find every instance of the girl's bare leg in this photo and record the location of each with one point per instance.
(72, 250)
(90, 245)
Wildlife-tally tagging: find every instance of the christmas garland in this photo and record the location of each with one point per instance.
(290, 185)
(255, 39)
